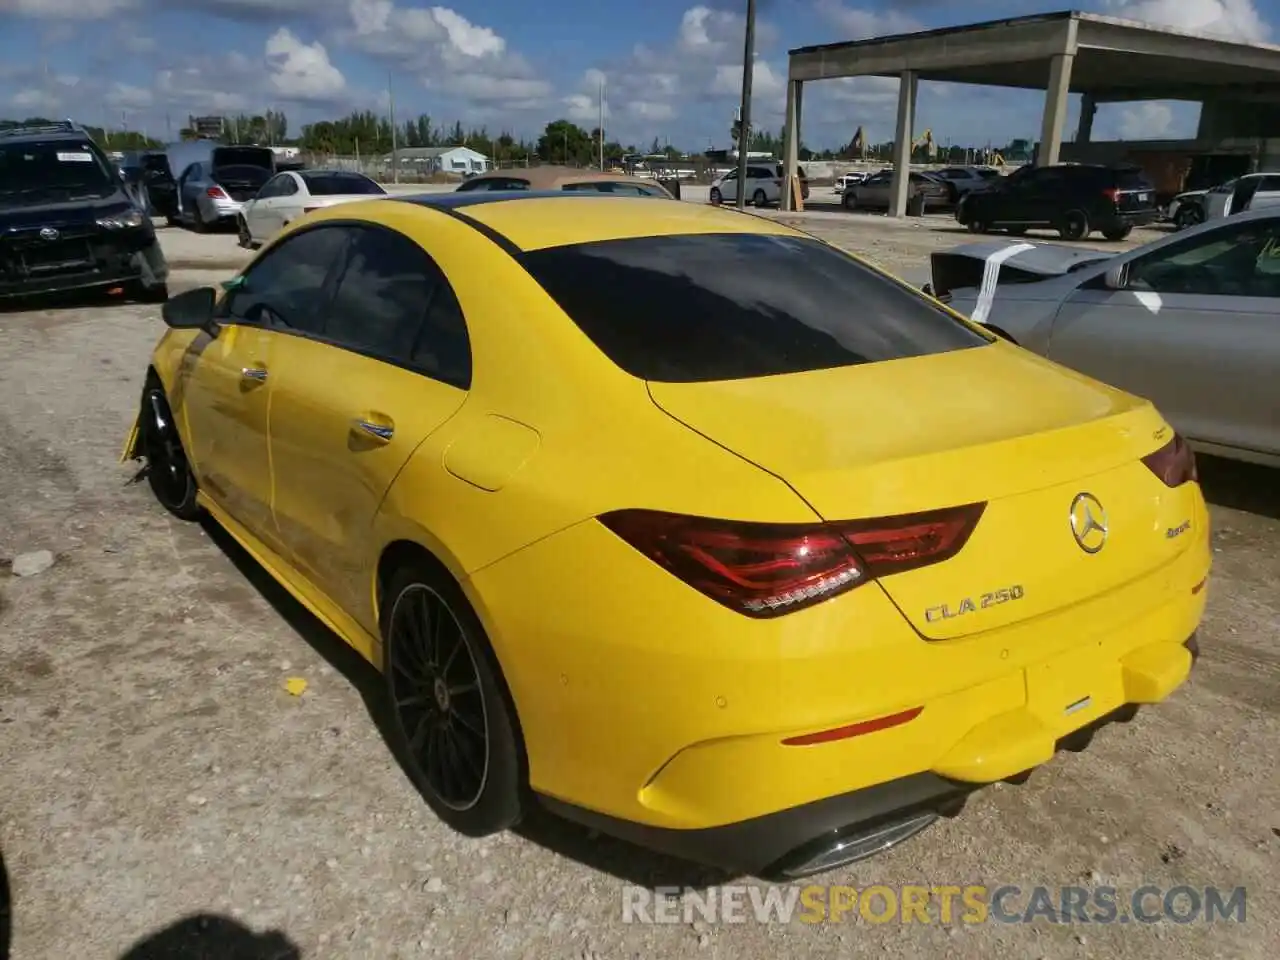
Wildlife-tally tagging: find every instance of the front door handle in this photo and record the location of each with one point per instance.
(256, 374)
(379, 431)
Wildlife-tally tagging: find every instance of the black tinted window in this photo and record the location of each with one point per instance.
(336, 184)
(1133, 180)
(286, 288)
(494, 183)
(443, 348)
(57, 165)
(394, 302)
(722, 307)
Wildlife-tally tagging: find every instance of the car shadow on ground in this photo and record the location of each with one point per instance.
(208, 936)
(622, 860)
(6, 911)
(71, 300)
(1241, 486)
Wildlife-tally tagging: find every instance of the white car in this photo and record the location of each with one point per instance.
(1186, 209)
(845, 181)
(1253, 191)
(764, 185)
(289, 195)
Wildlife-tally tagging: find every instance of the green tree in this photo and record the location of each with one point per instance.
(564, 142)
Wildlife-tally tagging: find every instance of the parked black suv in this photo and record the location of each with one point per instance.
(1074, 199)
(67, 221)
(146, 174)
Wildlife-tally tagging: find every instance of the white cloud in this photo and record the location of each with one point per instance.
(447, 52)
(301, 71)
(123, 96)
(701, 67)
(67, 9)
(1146, 121)
(858, 23)
(1234, 19)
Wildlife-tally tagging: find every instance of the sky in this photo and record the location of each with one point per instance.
(671, 69)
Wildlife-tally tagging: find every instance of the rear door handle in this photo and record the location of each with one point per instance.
(379, 431)
(257, 374)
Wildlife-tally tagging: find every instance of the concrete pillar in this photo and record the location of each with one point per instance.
(907, 85)
(1055, 109)
(791, 141)
(1088, 110)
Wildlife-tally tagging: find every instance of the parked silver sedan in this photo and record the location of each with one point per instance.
(1190, 321)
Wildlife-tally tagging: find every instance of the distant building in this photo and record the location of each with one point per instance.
(457, 160)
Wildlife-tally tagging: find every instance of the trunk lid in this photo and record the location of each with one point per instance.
(994, 424)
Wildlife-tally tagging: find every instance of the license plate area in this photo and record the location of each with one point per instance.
(1074, 689)
(71, 255)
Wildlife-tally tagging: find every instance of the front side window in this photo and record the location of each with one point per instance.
(393, 302)
(1243, 261)
(732, 306)
(287, 287)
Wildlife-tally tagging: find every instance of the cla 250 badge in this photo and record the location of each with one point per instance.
(970, 604)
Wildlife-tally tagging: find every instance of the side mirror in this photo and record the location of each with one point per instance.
(1116, 278)
(191, 310)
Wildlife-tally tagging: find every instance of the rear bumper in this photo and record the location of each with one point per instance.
(114, 262)
(1140, 219)
(798, 841)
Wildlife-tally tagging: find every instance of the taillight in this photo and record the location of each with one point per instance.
(766, 569)
(216, 193)
(1112, 194)
(1174, 463)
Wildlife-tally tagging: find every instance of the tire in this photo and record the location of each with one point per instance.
(474, 718)
(1119, 233)
(716, 198)
(168, 471)
(198, 223)
(242, 228)
(849, 201)
(1074, 225)
(759, 199)
(145, 294)
(173, 220)
(1187, 218)
(977, 226)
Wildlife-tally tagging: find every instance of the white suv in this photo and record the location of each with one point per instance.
(764, 185)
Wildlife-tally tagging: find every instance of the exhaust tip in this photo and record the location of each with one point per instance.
(848, 845)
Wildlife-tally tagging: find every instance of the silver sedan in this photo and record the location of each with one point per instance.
(1190, 321)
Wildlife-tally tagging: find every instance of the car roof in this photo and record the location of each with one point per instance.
(549, 177)
(528, 220)
(41, 135)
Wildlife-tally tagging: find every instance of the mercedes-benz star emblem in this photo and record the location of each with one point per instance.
(1088, 522)
(48, 233)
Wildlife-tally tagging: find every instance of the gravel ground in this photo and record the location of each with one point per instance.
(161, 792)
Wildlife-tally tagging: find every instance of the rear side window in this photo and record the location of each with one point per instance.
(337, 184)
(683, 309)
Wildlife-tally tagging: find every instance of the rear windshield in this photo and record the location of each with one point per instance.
(249, 156)
(1132, 180)
(687, 309)
(336, 184)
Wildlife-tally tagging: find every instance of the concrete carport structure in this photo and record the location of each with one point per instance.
(1104, 58)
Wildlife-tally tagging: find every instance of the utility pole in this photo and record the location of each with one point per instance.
(395, 159)
(744, 128)
(602, 126)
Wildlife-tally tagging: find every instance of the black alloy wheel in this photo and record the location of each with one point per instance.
(456, 733)
(168, 472)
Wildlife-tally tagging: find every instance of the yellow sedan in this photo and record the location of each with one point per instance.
(679, 522)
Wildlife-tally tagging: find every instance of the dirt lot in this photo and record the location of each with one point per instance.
(153, 768)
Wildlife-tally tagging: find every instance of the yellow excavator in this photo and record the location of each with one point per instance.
(925, 142)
